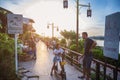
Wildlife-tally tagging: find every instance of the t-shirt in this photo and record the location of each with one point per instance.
(57, 53)
(87, 45)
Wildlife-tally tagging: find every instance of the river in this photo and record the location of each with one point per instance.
(101, 43)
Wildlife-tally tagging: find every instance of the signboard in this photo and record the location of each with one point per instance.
(111, 42)
(15, 24)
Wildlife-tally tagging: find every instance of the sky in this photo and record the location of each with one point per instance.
(45, 12)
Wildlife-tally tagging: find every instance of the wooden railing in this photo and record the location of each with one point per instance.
(100, 68)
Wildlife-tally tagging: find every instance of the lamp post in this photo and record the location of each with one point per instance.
(48, 25)
(89, 11)
(43, 34)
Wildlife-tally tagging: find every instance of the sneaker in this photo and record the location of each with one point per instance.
(81, 77)
(51, 74)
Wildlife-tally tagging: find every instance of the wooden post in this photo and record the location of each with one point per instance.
(105, 69)
(71, 58)
(115, 71)
(97, 71)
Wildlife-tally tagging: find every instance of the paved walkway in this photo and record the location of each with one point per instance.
(43, 64)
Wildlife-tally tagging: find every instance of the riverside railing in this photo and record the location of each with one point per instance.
(100, 69)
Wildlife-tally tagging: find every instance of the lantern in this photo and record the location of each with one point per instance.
(48, 26)
(89, 13)
(57, 29)
(65, 3)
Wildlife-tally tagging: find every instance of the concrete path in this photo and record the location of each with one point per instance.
(43, 64)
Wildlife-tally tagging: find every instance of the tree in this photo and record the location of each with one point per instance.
(70, 36)
(3, 20)
(63, 42)
(7, 66)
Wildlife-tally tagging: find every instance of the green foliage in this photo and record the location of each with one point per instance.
(0, 26)
(7, 65)
(3, 18)
(63, 42)
(73, 47)
(72, 42)
(68, 34)
(80, 46)
(6, 43)
(93, 76)
(98, 54)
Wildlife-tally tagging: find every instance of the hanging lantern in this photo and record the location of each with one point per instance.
(57, 29)
(89, 13)
(48, 26)
(65, 3)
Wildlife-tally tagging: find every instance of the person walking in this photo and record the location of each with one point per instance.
(89, 44)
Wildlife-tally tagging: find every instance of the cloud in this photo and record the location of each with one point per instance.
(48, 11)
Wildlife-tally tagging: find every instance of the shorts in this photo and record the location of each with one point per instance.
(56, 59)
(87, 62)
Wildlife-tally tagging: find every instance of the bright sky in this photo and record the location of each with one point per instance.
(52, 11)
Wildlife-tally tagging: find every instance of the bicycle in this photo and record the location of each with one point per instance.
(61, 73)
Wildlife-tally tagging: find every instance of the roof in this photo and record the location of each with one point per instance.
(5, 10)
(27, 20)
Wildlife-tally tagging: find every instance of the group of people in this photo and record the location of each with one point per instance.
(30, 48)
(89, 44)
(51, 44)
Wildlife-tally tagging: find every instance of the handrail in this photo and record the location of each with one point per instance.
(72, 51)
(98, 63)
(108, 65)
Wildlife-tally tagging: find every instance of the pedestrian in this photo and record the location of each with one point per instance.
(57, 58)
(54, 44)
(33, 47)
(89, 44)
(47, 44)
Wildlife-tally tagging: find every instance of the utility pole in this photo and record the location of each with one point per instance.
(77, 23)
(52, 30)
(65, 5)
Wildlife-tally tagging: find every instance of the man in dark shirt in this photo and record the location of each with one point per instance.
(89, 44)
